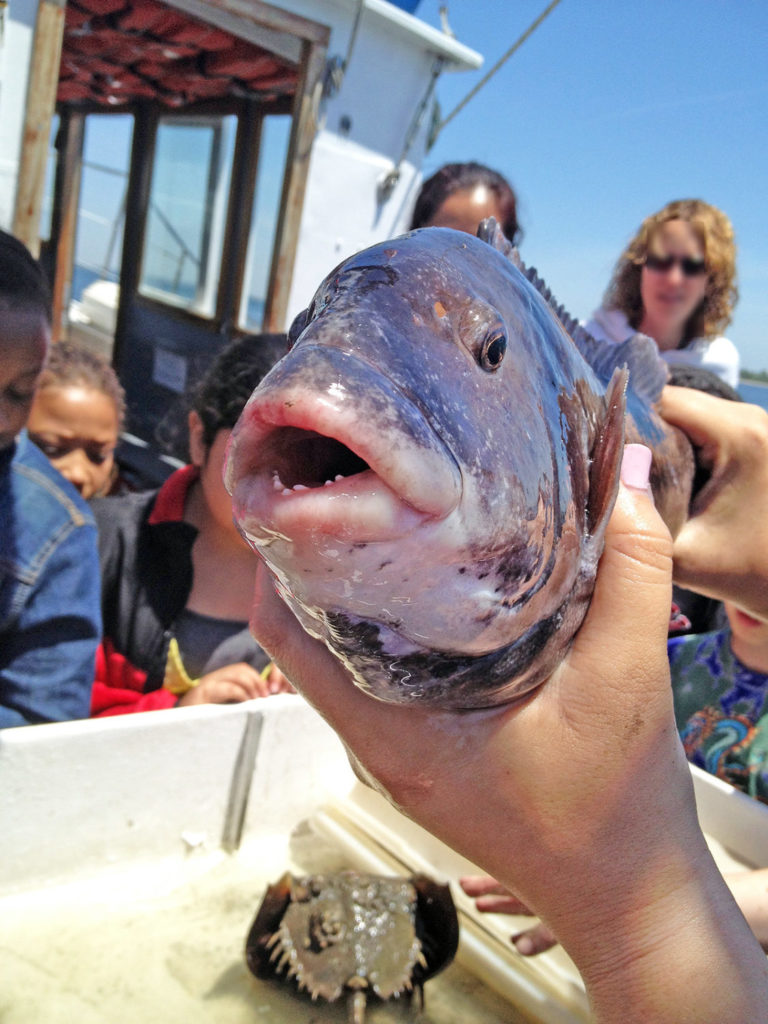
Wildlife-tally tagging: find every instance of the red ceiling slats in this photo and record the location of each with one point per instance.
(102, 6)
(118, 50)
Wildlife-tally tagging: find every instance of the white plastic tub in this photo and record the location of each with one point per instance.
(135, 851)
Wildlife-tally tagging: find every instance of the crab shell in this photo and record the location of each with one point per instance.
(354, 933)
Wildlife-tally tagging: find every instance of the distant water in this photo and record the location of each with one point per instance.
(755, 393)
(82, 277)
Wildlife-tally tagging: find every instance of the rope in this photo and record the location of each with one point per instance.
(515, 46)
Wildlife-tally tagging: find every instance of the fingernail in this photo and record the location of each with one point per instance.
(636, 466)
(523, 944)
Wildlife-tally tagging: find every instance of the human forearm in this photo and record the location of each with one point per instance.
(578, 798)
(684, 956)
(637, 902)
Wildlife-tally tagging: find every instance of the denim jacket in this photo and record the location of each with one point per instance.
(50, 620)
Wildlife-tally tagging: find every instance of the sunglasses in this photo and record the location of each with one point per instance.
(690, 265)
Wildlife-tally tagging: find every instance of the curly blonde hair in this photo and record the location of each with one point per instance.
(715, 234)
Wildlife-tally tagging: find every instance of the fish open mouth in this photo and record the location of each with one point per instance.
(304, 459)
(303, 467)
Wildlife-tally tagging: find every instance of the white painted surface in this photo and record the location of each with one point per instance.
(341, 215)
(15, 56)
(736, 822)
(78, 797)
(386, 80)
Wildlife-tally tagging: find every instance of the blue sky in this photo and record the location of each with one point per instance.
(608, 111)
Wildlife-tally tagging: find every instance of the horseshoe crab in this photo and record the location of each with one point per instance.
(354, 933)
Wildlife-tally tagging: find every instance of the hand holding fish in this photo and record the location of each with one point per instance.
(722, 550)
(577, 798)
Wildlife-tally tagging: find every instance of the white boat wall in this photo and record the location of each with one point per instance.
(375, 128)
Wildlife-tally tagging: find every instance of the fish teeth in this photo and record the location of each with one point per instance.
(279, 487)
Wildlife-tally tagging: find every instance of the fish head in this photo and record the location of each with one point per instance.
(406, 470)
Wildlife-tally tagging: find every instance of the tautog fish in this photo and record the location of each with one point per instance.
(429, 471)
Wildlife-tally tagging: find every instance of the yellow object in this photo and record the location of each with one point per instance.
(176, 679)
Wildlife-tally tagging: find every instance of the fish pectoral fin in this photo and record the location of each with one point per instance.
(606, 455)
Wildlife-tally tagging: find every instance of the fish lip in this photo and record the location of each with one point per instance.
(386, 500)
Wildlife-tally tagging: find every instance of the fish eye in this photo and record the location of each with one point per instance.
(316, 307)
(300, 321)
(493, 350)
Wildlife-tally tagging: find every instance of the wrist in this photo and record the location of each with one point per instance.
(675, 928)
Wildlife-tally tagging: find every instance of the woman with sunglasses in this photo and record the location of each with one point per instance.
(675, 282)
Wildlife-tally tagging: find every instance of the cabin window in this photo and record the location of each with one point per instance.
(101, 209)
(273, 152)
(187, 211)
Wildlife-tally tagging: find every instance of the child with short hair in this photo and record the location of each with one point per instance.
(177, 577)
(77, 416)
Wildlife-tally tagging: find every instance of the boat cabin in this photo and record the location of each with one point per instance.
(190, 170)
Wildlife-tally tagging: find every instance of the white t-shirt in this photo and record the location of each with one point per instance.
(718, 355)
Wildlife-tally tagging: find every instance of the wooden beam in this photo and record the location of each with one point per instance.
(294, 186)
(41, 102)
(278, 31)
(65, 220)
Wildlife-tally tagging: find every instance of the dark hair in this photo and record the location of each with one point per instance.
(452, 178)
(72, 364)
(220, 396)
(23, 285)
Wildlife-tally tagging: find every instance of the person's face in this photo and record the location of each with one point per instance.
(464, 210)
(210, 462)
(77, 428)
(669, 295)
(749, 638)
(749, 631)
(24, 340)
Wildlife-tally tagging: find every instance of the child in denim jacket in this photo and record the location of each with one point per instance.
(50, 619)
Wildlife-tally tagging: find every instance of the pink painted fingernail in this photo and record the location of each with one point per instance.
(636, 466)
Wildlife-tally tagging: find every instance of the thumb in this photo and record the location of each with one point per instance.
(629, 613)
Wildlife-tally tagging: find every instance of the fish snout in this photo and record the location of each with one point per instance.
(332, 430)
